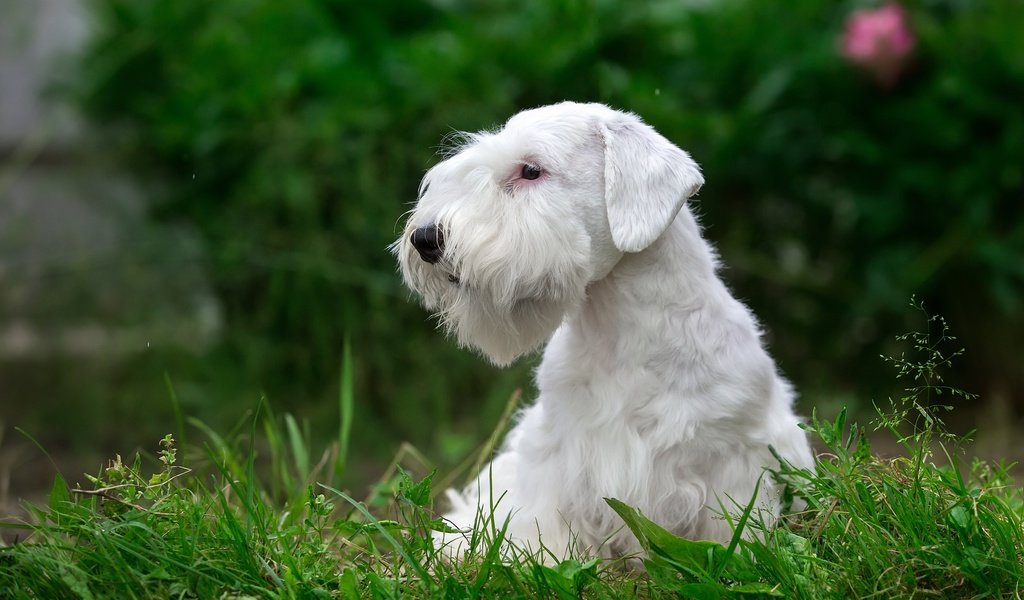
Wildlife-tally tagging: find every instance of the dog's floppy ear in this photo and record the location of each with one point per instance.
(646, 181)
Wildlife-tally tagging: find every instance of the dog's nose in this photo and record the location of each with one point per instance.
(429, 242)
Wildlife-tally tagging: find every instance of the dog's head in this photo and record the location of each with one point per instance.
(509, 230)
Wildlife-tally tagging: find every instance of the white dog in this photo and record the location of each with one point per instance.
(569, 223)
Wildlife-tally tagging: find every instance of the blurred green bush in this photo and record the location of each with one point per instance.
(292, 135)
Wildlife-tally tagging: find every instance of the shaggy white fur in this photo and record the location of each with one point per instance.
(570, 224)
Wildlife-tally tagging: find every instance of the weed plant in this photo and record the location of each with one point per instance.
(257, 515)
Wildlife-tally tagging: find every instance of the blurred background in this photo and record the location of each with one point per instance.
(196, 199)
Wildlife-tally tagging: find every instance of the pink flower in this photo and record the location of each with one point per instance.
(879, 41)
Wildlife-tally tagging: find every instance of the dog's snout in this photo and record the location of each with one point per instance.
(429, 242)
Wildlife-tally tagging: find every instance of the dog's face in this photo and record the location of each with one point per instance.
(509, 231)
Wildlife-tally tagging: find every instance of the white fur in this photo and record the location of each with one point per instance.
(655, 388)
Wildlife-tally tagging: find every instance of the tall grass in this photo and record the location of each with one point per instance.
(259, 513)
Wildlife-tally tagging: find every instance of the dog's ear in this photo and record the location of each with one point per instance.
(646, 181)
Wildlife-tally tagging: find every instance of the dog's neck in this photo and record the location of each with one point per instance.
(674, 276)
(658, 314)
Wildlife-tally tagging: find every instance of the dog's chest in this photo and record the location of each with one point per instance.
(668, 485)
(635, 457)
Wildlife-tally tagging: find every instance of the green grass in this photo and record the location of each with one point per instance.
(260, 514)
(215, 526)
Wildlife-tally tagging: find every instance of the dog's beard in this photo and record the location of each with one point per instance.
(501, 316)
(501, 333)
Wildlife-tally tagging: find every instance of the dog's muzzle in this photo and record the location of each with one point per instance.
(429, 243)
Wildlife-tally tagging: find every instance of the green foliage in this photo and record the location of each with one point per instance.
(694, 569)
(293, 135)
(866, 526)
(871, 527)
(833, 200)
(896, 527)
(277, 138)
(219, 529)
(904, 526)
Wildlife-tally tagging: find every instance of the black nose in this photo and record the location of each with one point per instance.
(429, 242)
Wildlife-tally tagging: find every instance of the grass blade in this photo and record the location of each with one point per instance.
(346, 402)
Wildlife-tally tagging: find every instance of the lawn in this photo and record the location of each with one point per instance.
(259, 514)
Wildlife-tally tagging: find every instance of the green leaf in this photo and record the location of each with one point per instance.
(960, 517)
(346, 401)
(416, 493)
(836, 434)
(739, 567)
(703, 591)
(382, 525)
(568, 578)
(159, 478)
(793, 543)
(562, 587)
(348, 585)
(59, 494)
(863, 451)
(693, 557)
(299, 452)
(347, 527)
(573, 569)
(442, 526)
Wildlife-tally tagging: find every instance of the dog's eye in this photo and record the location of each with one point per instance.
(530, 172)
